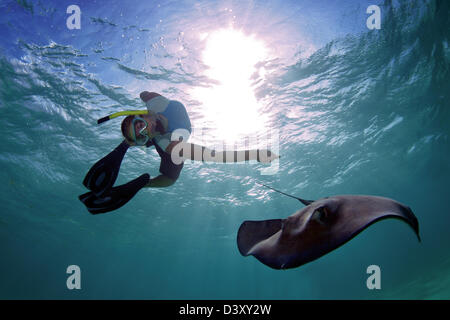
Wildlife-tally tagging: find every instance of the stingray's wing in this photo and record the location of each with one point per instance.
(252, 232)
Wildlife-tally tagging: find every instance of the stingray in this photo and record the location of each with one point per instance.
(322, 226)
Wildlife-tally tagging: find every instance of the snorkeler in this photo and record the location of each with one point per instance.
(166, 126)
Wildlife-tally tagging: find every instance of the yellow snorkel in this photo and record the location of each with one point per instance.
(121, 113)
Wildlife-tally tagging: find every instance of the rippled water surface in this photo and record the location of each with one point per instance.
(357, 111)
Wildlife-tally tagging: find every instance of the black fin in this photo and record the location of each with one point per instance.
(114, 198)
(103, 174)
(252, 232)
(305, 202)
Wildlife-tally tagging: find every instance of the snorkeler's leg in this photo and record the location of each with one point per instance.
(168, 169)
(160, 181)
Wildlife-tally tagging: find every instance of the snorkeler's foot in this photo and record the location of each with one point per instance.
(116, 197)
(103, 174)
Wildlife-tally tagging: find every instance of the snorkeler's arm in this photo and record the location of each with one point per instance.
(195, 152)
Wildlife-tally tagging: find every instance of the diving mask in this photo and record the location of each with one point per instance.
(141, 137)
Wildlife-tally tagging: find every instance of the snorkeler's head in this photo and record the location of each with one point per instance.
(137, 129)
(126, 125)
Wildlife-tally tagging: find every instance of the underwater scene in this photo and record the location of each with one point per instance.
(320, 132)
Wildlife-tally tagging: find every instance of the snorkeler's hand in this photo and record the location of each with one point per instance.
(145, 96)
(266, 156)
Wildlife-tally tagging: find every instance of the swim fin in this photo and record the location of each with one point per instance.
(115, 197)
(103, 174)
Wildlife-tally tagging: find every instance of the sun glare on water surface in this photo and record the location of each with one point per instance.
(230, 106)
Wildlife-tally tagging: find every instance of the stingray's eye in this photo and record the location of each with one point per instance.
(322, 215)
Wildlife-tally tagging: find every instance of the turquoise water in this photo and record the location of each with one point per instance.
(358, 111)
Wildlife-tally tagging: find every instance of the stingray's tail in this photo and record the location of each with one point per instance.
(305, 202)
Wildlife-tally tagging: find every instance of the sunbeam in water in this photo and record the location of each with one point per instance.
(231, 58)
(358, 111)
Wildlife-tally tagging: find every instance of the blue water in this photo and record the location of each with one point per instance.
(358, 111)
